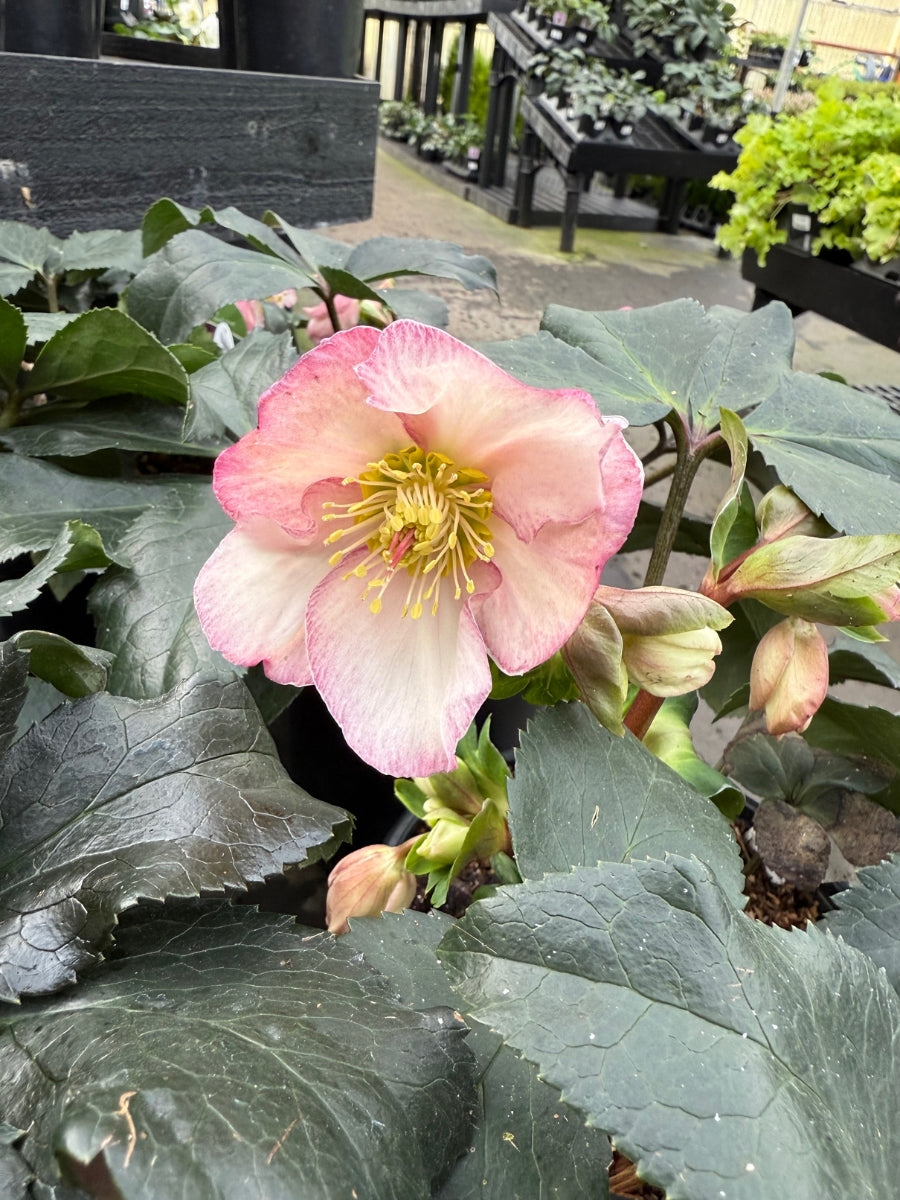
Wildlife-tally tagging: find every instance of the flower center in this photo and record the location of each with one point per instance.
(417, 511)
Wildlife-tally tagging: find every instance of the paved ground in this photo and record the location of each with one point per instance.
(607, 270)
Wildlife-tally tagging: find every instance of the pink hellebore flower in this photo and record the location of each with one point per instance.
(405, 509)
(320, 327)
(252, 310)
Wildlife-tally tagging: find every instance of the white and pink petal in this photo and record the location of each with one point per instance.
(313, 424)
(545, 589)
(251, 598)
(403, 691)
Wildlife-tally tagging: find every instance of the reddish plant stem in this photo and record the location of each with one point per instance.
(639, 717)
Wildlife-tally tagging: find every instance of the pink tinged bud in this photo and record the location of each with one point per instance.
(368, 882)
(669, 637)
(781, 513)
(320, 327)
(889, 603)
(838, 581)
(789, 675)
(672, 663)
(593, 655)
(252, 312)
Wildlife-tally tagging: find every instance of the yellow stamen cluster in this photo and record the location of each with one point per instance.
(417, 511)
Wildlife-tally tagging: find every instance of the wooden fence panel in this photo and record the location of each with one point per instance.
(89, 144)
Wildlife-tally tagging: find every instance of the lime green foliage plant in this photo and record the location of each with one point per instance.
(841, 158)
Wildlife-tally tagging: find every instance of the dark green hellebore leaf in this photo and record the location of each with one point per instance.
(13, 690)
(526, 1143)
(272, 699)
(145, 614)
(581, 796)
(390, 257)
(42, 326)
(849, 658)
(315, 249)
(76, 547)
(678, 356)
(24, 253)
(722, 1055)
(865, 733)
(545, 361)
(414, 305)
(73, 670)
(868, 916)
(226, 1054)
(106, 353)
(225, 394)
(163, 219)
(341, 283)
(837, 448)
(38, 499)
(260, 234)
(110, 800)
(67, 431)
(13, 339)
(41, 699)
(15, 1174)
(103, 250)
(831, 788)
(194, 274)
(193, 357)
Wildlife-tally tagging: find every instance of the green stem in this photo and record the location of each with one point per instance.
(332, 312)
(52, 294)
(9, 413)
(688, 459)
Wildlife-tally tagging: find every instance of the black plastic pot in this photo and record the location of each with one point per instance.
(69, 28)
(299, 37)
(801, 226)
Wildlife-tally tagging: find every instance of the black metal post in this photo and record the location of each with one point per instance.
(462, 85)
(574, 186)
(433, 70)
(379, 48)
(400, 64)
(525, 180)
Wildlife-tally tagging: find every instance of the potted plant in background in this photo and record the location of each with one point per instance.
(686, 29)
(838, 160)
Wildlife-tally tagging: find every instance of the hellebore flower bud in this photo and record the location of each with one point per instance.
(368, 882)
(456, 791)
(669, 636)
(838, 581)
(782, 513)
(789, 675)
(593, 655)
(443, 842)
